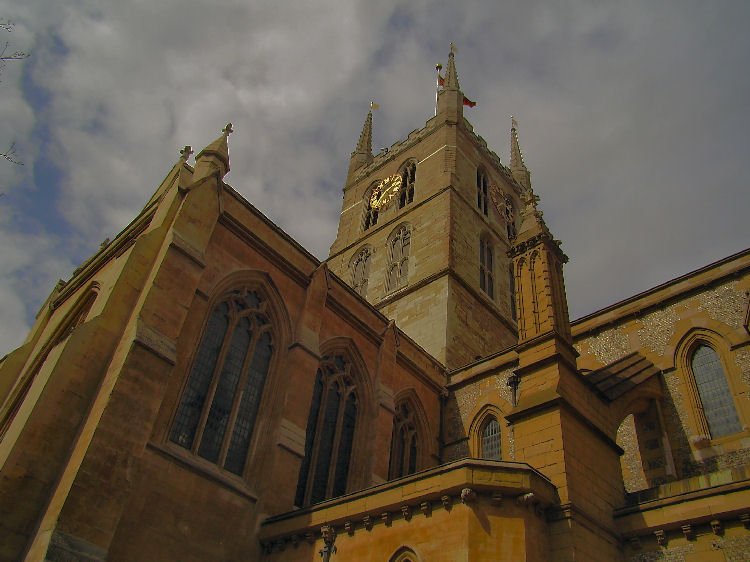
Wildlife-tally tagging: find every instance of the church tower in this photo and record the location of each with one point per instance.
(425, 227)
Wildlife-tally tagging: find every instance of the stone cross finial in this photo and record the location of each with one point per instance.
(186, 152)
(227, 130)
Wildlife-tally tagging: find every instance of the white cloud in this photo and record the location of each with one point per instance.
(634, 119)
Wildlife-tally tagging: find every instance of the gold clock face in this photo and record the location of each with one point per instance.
(385, 191)
(503, 203)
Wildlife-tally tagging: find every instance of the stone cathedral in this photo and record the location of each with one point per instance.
(203, 388)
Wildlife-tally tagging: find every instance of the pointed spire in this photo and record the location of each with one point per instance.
(517, 167)
(214, 157)
(362, 155)
(451, 74)
(364, 146)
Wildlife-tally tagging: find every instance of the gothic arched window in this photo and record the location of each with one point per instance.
(371, 215)
(510, 225)
(408, 177)
(486, 268)
(404, 442)
(713, 390)
(482, 184)
(220, 402)
(360, 266)
(512, 290)
(330, 433)
(399, 243)
(490, 439)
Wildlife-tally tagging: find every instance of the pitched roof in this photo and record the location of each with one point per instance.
(622, 375)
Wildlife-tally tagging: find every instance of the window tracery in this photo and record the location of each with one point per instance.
(408, 178)
(220, 401)
(360, 267)
(399, 244)
(330, 433)
(404, 442)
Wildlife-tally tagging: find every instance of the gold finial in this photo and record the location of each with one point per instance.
(186, 152)
(438, 67)
(227, 130)
(373, 105)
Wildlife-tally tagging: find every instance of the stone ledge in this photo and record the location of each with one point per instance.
(417, 494)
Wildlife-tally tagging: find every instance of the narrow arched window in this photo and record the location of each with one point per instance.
(220, 402)
(399, 244)
(715, 395)
(408, 177)
(371, 214)
(512, 290)
(360, 267)
(482, 183)
(486, 268)
(490, 439)
(404, 442)
(329, 439)
(510, 220)
(404, 554)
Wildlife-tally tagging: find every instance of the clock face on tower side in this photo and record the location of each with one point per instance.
(385, 191)
(502, 203)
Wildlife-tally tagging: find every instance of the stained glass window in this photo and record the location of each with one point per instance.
(331, 426)
(404, 443)
(217, 411)
(716, 398)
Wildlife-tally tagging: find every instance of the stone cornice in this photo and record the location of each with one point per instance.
(441, 487)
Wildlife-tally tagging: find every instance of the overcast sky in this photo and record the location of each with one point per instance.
(634, 120)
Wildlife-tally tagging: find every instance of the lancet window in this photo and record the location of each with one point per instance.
(371, 215)
(399, 243)
(486, 265)
(482, 185)
(715, 396)
(512, 290)
(408, 178)
(404, 442)
(330, 433)
(490, 439)
(360, 267)
(220, 402)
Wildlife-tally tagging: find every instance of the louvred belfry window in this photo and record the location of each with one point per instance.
(330, 433)
(486, 268)
(220, 402)
(482, 191)
(408, 178)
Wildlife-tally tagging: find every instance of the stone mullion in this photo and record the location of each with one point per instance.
(316, 440)
(337, 439)
(239, 392)
(233, 319)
